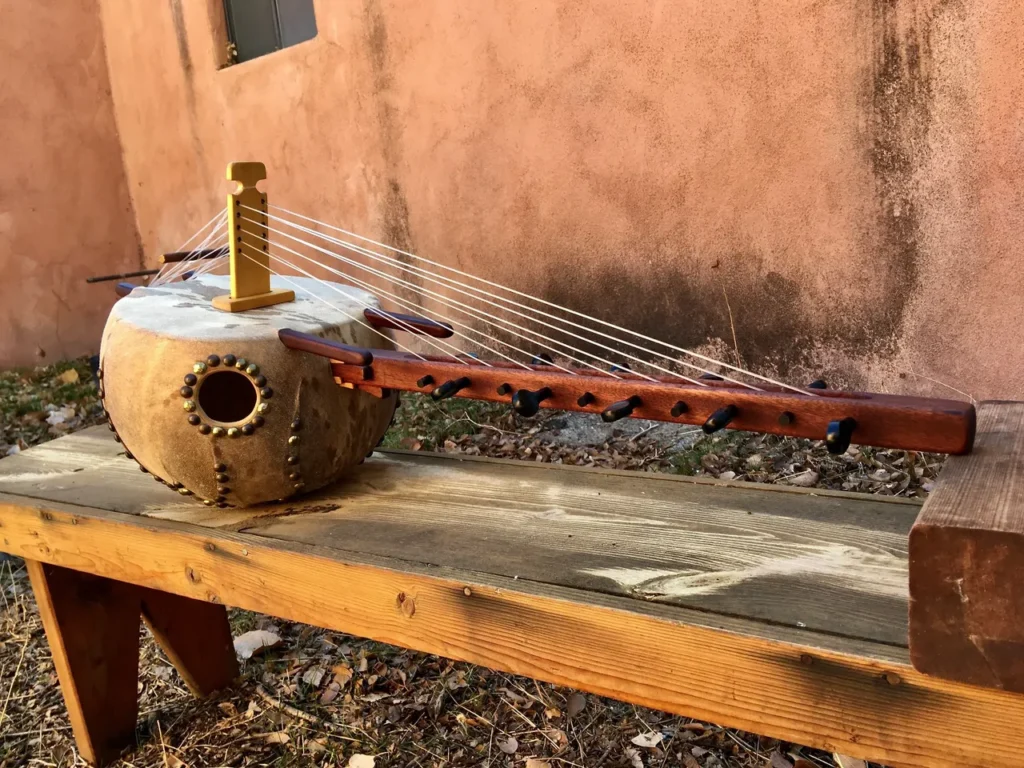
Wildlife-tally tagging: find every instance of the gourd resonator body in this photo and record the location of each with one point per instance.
(215, 406)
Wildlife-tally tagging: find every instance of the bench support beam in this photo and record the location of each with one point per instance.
(92, 626)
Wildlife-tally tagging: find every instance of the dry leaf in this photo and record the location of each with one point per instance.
(509, 745)
(342, 674)
(313, 676)
(648, 740)
(330, 693)
(361, 761)
(281, 737)
(70, 376)
(778, 760)
(170, 761)
(552, 713)
(316, 746)
(842, 761)
(805, 479)
(228, 708)
(536, 762)
(633, 755)
(689, 761)
(801, 763)
(254, 642)
(577, 703)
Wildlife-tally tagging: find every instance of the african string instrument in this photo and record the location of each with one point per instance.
(270, 381)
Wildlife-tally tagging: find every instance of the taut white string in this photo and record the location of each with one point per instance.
(605, 323)
(299, 287)
(165, 274)
(480, 315)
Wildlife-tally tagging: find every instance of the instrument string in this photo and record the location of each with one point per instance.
(169, 271)
(589, 318)
(398, 300)
(180, 268)
(299, 287)
(506, 325)
(461, 308)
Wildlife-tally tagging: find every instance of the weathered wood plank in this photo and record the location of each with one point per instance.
(834, 562)
(860, 698)
(838, 565)
(92, 625)
(967, 560)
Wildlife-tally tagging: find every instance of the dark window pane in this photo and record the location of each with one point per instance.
(253, 27)
(297, 22)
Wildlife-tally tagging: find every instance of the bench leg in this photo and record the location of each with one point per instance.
(196, 638)
(92, 625)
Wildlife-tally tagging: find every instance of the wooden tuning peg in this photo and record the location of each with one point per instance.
(450, 388)
(621, 409)
(839, 435)
(527, 403)
(720, 419)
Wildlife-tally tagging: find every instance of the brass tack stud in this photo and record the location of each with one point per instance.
(218, 431)
(263, 408)
(240, 363)
(234, 432)
(186, 391)
(189, 405)
(221, 477)
(213, 361)
(248, 429)
(296, 425)
(184, 491)
(199, 368)
(194, 420)
(292, 460)
(204, 429)
(220, 467)
(252, 369)
(223, 490)
(229, 360)
(191, 379)
(293, 440)
(258, 421)
(208, 502)
(260, 381)
(294, 475)
(266, 393)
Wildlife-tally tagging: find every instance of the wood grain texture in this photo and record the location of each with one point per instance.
(196, 637)
(829, 561)
(92, 625)
(859, 698)
(967, 560)
(890, 421)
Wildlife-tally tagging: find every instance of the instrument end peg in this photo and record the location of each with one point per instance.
(709, 376)
(786, 418)
(585, 399)
(839, 435)
(720, 419)
(621, 409)
(818, 384)
(504, 389)
(527, 403)
(679, 409)
(424, 381)
(542, 358)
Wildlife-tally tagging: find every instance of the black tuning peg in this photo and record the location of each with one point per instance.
(710, 376)
(818, 384)
(585, 399)
(679, 409)
(621, 409)
(424, 381)
(504, 389)
(839, 434)
(541, 358)
(720, 419)
(450, 388)
(527, 403)
(619, 368)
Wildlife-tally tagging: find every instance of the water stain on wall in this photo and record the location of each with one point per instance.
(395, 206)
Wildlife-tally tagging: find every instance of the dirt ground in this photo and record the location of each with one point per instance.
(320, 698)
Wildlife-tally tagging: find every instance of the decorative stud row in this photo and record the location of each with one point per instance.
(201, 369)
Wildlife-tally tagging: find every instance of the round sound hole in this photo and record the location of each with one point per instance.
(227, 397)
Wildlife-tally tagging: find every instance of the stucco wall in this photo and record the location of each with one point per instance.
(65, 213)
(844, 177)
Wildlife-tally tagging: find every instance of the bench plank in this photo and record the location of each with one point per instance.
(856, 697)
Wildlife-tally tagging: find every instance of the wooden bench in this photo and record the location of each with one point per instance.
(776, 610)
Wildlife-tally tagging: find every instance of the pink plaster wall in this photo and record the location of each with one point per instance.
(845, 177)
(65, 213)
